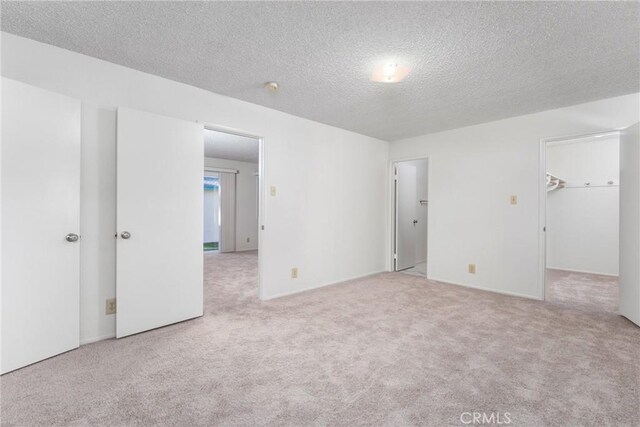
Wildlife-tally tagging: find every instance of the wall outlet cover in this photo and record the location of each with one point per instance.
(111, 306)
(294, 273)
(514, 200)
(472, 268)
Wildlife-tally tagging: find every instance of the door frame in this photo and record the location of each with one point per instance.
(542, 201)
(393, 208)
(261, 190)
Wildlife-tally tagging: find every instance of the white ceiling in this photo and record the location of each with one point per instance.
(471, 62)
(220, 145)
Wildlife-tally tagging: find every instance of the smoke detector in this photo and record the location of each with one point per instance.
(271, 86)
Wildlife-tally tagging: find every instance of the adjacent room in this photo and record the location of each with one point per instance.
(319, 213)
(231, 214)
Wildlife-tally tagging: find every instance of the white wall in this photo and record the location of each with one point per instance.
(211, 213)
(312, 166)
(422, 193)
(473, 172)
(246, 201)
(583, 222)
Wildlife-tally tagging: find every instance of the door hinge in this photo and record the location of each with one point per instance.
(395, 256)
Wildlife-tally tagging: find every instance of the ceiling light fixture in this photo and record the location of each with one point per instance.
(272, 86)
(389, 72)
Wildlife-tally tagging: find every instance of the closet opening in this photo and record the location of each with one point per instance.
(411, 213)
(581, 221)
(231, 215)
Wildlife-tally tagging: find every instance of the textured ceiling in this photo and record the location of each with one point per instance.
(220, 145)
(471, 62)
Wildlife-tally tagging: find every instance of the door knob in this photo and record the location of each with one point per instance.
(125, 234)
(415, 221)
(71, 237)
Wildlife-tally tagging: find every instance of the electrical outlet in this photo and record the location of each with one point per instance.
(273, 191)
(111, 306)
(514, 200)
(294, 273)
(472, 268)
(248, 239)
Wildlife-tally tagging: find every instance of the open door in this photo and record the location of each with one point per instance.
(159, 220)
(40, 224)
(630, 223)
(406, 196)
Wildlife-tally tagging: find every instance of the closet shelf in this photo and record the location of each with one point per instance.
(555, 183)
(609, 183)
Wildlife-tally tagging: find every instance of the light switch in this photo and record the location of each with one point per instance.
(514, 200)
(273, 191)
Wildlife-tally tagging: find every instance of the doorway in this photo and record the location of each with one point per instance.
(211, 229)
(232, 164)
(582, 180)
(411, 214)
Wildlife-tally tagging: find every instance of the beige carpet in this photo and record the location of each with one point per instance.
(581, 290)
(392, 349)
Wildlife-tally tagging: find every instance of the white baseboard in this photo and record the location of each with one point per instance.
(96, 339)
(581, 271)
(483, 288)
(322, 285)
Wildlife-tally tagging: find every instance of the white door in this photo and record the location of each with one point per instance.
(406, 220)
(630, 223)
(159, 220)
(40, 208)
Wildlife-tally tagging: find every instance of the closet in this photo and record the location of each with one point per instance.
(159, 223)
(583, 204)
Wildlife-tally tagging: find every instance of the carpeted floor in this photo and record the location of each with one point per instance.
(419, 270)
(390, 349)
(581, 290)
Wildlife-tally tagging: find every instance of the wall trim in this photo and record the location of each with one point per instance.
(571, 270)
(339, 282)
(98, 338)
(483, 288)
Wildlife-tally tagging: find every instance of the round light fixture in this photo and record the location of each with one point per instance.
(271, 86)
(389, 72)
